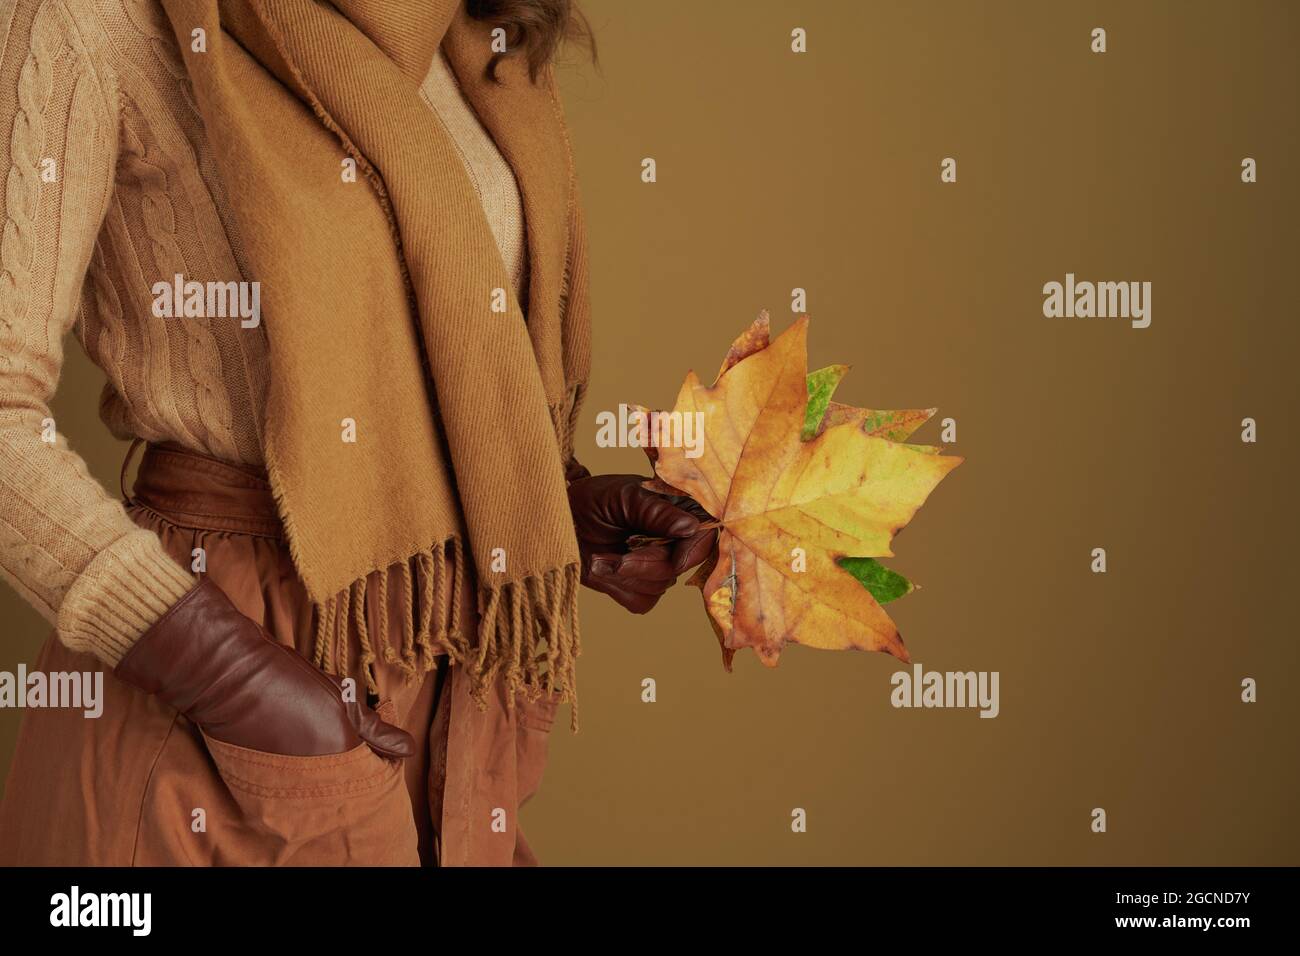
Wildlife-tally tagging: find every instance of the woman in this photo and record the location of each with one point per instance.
(331, 260)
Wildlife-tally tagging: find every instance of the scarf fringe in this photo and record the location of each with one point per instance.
(527, 634)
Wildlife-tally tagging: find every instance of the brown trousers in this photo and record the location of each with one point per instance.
(140, 785)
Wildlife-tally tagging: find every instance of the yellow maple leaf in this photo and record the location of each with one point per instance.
(843, 492)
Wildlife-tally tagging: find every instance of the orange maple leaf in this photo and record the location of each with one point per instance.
(791, 507)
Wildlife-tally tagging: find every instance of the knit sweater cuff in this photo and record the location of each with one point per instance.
(120, 595)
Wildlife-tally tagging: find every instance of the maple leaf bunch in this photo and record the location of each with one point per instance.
(806, 494)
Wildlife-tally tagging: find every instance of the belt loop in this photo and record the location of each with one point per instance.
(126, 463)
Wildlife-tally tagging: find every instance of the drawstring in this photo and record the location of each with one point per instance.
(126, 464)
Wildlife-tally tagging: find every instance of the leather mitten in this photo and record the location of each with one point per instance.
(607, 511)
(221, 670)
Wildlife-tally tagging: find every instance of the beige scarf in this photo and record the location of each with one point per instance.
(379, 294)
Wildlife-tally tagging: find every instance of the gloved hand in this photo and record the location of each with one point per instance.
(609, 509)
(223, 672)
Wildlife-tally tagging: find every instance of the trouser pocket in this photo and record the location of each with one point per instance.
(214, 803)
(534, 721)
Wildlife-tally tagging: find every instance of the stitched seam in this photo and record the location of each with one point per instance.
(347, 788)
(148, 782)
(276, 761)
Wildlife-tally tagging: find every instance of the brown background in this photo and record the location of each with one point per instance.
(821, 171)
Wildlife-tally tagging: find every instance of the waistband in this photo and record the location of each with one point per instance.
(194, 490)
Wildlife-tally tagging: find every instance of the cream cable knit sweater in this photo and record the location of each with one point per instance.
(108, 187)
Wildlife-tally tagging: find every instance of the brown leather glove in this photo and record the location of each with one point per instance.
(609, 509)
(223, 672)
